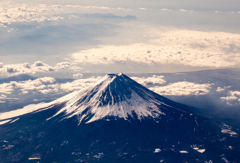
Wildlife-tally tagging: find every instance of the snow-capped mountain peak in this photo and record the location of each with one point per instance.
(115, 95)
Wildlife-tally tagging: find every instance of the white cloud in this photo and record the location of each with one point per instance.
(182, 10)
(165, 9)
(89, 7)
(1, 65)
(150, 80)
(73, 16)
(75, 68)
(13, 12)
(63, 65)
(233, 96)
(79, 84)
(235, 93)
(29, 85)
(25, 68)
(3, 97)
(182, 89)
(38, 66)
(46, 91)
(184, 47)
(229, 98)
(43, 18)
(42, 87)
(13, 89)
(219, 89)
(77, 76)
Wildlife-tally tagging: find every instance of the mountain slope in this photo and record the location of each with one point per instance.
(114, 120)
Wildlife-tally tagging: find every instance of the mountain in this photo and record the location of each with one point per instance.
(114, 120)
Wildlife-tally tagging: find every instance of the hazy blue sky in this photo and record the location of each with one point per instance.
(118, 35)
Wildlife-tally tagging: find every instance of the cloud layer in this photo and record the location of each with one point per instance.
(42, 87)
(38, 66)
(150, 80)
(47, 87)
(184, 47)
(182, 89)
(11, 13)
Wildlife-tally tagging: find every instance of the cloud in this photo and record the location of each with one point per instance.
(75, 68)
(165, 9)
(32, 85)
(77, 76)
(182, 89)
(73, 16)
(3, 97)
(96, 7)
(63, 65)
(38, 66)
(1, 65)
(219, 89)
(41, 88)
(150, 80)
(25, 68)
(229, 98)
(67, 65)
(182, 10)
(43, 18)
(234, 96)
(12, 12)
(19, 90)
(79, 84)
(27, 89)
(182, 47)
(89, 7)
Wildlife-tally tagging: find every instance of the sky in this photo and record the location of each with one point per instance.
(118, 36)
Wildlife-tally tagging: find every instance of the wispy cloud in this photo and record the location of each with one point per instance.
(233, 97)
(182, 89)
(219, 89)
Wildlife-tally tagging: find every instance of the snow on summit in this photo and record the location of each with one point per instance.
(115, 95)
